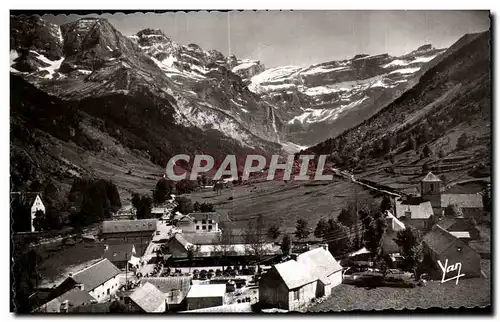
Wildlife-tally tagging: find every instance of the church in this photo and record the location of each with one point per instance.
(432, 190)
(433, 200)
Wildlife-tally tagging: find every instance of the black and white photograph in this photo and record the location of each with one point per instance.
(250, 161)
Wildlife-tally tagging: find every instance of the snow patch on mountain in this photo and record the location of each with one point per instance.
(53, 64)
(322, 69)
(405, 70)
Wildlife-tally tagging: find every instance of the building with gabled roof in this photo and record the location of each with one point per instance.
(36, 204)
(414, 212)
(441, 246)
(460, 224)
(175, 289)
(199, 222)
(322, 265)
(119, 254)
(146, 299)
(130, 227)
(288, 286)
(202, 296)
(100, 280)
(433, 191)
(72, 298)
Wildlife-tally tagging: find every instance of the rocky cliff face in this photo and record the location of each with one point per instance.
(153, 96)
(452, 99)
(322, 100)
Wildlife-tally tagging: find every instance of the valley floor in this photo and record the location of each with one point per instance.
(282, 203)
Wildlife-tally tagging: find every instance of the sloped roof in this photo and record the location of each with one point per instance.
(119, 252)
(397, 225)
(96, 274)
(170, 283)
(430, 177)
(91, 308)
(447, 222)
(178, 237)
(421, 210)
(320, 262)
(30, 198)
(460, 234)
(205, 215)
(75, 297)
(294, 274)
(202, 238)
(122, 226)
(207, 290)
(463, 200)
(148, 297)
(230, 308)
(438, 239)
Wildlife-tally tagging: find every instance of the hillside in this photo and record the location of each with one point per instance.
(85, 100)
(451, 100)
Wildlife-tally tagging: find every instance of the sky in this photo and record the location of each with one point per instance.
(301, 38)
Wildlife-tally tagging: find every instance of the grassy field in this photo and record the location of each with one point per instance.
(468, 293)
(282, 203)
(58, 260)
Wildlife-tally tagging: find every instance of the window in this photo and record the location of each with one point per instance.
(296, 295)
(203, 221)
(108, 291)
(209, 227)
(197, 227)
(204, 227)
(210, 221)
(195, 221)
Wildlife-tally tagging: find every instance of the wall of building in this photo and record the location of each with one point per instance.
(273, 292)
(37, 205)
(101, 294)
(470, 260)
(306, 294)
(420, 224)
(335, 279)
(176, 249)
(194, 303)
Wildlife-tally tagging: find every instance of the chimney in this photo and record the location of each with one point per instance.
(106, 246)
(70, 274)
(325, 246)
(80, 286)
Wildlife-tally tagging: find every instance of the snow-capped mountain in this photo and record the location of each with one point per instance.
(116, 100)
(158, 98)
(316, 101)
(89, 58)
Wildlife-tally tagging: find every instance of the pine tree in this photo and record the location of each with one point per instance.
(302, 230)
(321, 228)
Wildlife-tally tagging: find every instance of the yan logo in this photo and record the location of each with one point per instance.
(446, 269)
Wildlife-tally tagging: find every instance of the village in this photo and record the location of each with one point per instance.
(194, 262)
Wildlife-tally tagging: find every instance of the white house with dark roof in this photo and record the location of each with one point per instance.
(199, 222)
(100, 280)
